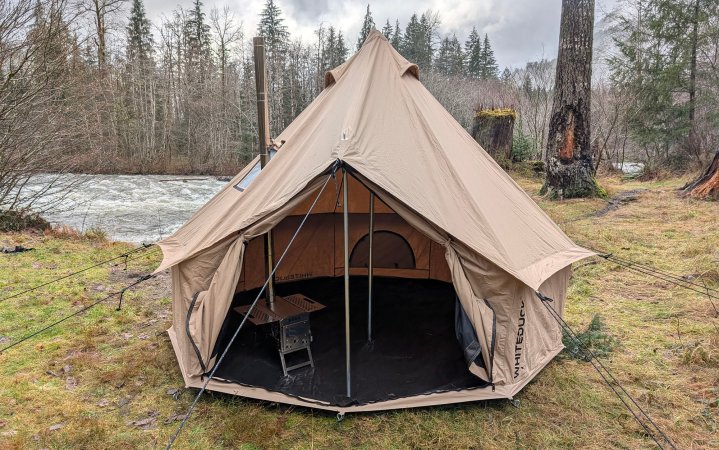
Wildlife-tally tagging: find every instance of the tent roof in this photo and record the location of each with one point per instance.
(377, 117)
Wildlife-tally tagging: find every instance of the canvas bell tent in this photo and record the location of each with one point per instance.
(376, 188)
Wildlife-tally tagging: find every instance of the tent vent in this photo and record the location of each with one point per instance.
(250, 176)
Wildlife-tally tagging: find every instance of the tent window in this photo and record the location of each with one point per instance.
(391, 251)
(247, 179)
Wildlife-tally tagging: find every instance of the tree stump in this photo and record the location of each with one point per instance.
(707, 185)
(493, 129)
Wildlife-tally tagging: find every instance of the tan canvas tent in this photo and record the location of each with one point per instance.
(458, 251)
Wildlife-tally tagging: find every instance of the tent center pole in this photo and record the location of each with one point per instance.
(263, 128)
(345, 214)
(370, 267)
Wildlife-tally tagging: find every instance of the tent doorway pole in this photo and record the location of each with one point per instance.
(345, 216)
(370, 267)
(263, 128)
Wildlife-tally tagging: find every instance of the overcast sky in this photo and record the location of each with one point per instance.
(519, 30)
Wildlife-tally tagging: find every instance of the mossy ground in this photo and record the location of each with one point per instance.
(101, 380)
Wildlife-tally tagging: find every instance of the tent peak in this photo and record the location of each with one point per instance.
(374, 34)
(375, 42)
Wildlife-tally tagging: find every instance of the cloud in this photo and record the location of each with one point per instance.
(307, 10)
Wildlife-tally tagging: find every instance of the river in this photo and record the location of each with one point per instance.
(131, 208)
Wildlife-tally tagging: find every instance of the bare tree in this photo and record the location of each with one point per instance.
(227, 33)
(535, 89)
(37, 53)
(100, 11)
(609, 128)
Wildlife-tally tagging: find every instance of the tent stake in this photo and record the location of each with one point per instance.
(370, 267)
(263, 128)
(347, 279)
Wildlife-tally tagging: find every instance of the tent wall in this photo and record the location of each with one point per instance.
(318, 249)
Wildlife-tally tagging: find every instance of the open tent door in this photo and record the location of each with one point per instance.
(414, 350)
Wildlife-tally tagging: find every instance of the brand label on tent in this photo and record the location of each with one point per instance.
(294, 276)
(519, 342)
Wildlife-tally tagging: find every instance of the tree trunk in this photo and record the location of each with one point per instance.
(493, 129)
(693, 65)
(707, 185)
(99, 11)
(570, 172)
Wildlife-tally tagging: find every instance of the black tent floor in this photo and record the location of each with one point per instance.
(414, 350)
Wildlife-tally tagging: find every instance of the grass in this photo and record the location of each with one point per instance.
(105, 379)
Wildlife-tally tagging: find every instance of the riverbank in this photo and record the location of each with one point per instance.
(109, 379)
(178, 165)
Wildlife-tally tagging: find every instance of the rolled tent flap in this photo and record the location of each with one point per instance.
(478, 312)
(208, 309)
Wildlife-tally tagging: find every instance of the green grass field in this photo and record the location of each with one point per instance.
(106, 379)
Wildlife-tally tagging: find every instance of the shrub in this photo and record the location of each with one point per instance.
(11, 220)
(66, 232)
(522, 146)
(593, 338)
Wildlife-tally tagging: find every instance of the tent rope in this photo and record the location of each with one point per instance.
(76, 313)
(678, 278)
(64, 277)
(249, 312)
(609, 378)
(665, 276)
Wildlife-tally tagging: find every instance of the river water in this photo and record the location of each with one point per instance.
(131, 208)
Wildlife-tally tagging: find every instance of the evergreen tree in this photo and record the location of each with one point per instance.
(50, 55)
(341, 49)
(488, 64)
(450, 59)
(411, 39)
(139, 36)
(506, 75)
(273, 29)
(197, 35)
(456, 57)
(280, 78)
(654, 67)
(387, 30)
(441, 63)
(330, 49)
(335, 48)
(473, 51)
(396, 40)
(417, 45)
(367, 26)
(429, 23)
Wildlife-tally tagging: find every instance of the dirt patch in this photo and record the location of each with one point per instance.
(618, 201)
(614, 203)
(158, 286)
